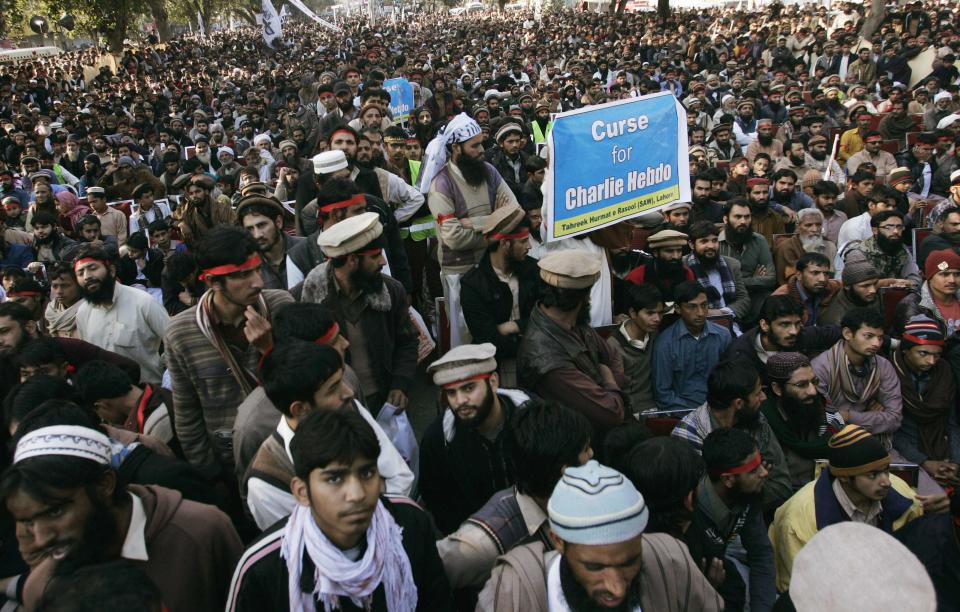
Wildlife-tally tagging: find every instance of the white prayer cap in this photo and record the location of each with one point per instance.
(65, 441)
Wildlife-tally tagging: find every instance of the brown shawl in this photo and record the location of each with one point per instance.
(931, 411)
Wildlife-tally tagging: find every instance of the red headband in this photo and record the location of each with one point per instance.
(335, 132)
(873, 139)
(24, 293)
(357, 199)
(525, 233)
(251, 263)
(329, 335)
(757, 181)
(458, 382)
(908, 337)
(85, 260)
(749, 466)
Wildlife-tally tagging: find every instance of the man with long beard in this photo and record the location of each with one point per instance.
(666, 269)
(500, 292)
(87, 514)
(739, 241)
(116, 318)
(821, 162)
(370, 307)
(765, 142)
(72, 159)
(886, 251)
(807, 239)
(729, 507)
(200, 213)
(719, 275)
(602, 560)
(795, 411)
(463, 460)
(463, 190)
(763, 219)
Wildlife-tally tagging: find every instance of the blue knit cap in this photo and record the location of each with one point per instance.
(596, 505)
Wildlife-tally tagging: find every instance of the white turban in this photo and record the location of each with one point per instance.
(460, 129)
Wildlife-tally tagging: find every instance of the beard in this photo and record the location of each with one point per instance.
(812, 244)
(806, 416)
(474, 170)
(708, 260)
(204, 157)
(580, 601)
(44, 241)
(748, 420)
(367, 283)
(102, 293)
(818, 155)
(482, 411)
(797, 160)
(890, 246)
(73, 155)
(99, 528)
(738, 235)
(765, 140)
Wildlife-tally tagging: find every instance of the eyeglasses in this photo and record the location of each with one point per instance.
(803, 384)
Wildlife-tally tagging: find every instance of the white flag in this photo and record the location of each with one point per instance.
(200, 28)
(303, 8)
(271, 22)
(284, 13)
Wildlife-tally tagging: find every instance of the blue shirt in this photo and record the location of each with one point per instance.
(682, 363)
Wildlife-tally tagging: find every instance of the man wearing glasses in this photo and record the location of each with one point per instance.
(886, 251)
(795, 412)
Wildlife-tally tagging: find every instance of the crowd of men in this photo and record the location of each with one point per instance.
(226, 267)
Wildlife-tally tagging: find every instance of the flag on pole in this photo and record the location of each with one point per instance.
(200, 28)
(284, 13)
(303, 8)
(271, 22)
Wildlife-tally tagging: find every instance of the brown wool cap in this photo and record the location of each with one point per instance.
(667, 238)
(463, 362)
(570, 269)
(503, 220)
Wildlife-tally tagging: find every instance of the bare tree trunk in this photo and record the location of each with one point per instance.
(663, 9)
(878, 12)
(158, 10)
(621, 6)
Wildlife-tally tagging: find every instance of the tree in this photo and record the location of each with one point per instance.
(161, 17)
(878, 12)
(110, 18)
(663, 10)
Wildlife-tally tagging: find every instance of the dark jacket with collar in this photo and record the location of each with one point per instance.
(260, 580)
(392, 340)
(488, 302)
(460, 468)
(811, 342)
(153, 270)
(499, 160)
(278, 280)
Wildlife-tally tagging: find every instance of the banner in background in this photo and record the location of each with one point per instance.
(303, 8)
(272, 30)
(401, 98)
(613, 162)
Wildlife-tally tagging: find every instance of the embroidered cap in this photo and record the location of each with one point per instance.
(329, 162)
(64, 441)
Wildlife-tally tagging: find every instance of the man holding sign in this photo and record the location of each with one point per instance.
(463, 190)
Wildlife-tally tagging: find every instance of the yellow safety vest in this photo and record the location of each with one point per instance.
(538, 136)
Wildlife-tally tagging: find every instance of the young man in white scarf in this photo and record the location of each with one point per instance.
(345, 547)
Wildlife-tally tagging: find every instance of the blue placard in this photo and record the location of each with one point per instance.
(615, 161)
(401, 98)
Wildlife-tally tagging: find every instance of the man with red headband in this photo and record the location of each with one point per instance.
(462, 456)
(117, 318)
(369, 306)
(728, 507)
(884, 162)
(500, 292)
(213, 348)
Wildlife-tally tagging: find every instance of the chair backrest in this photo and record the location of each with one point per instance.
(661, 427)
(605, 331)
(875, 121)
(912, 138)
(638, 239)
(889, 298)
(723, 320)
(443, 323)
(890, 146)
(123, 206)
(919, 235)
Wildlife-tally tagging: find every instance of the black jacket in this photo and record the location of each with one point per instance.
(460, 469)
(488, 302)
(498, 159)
(153, 270)
(260, 582)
